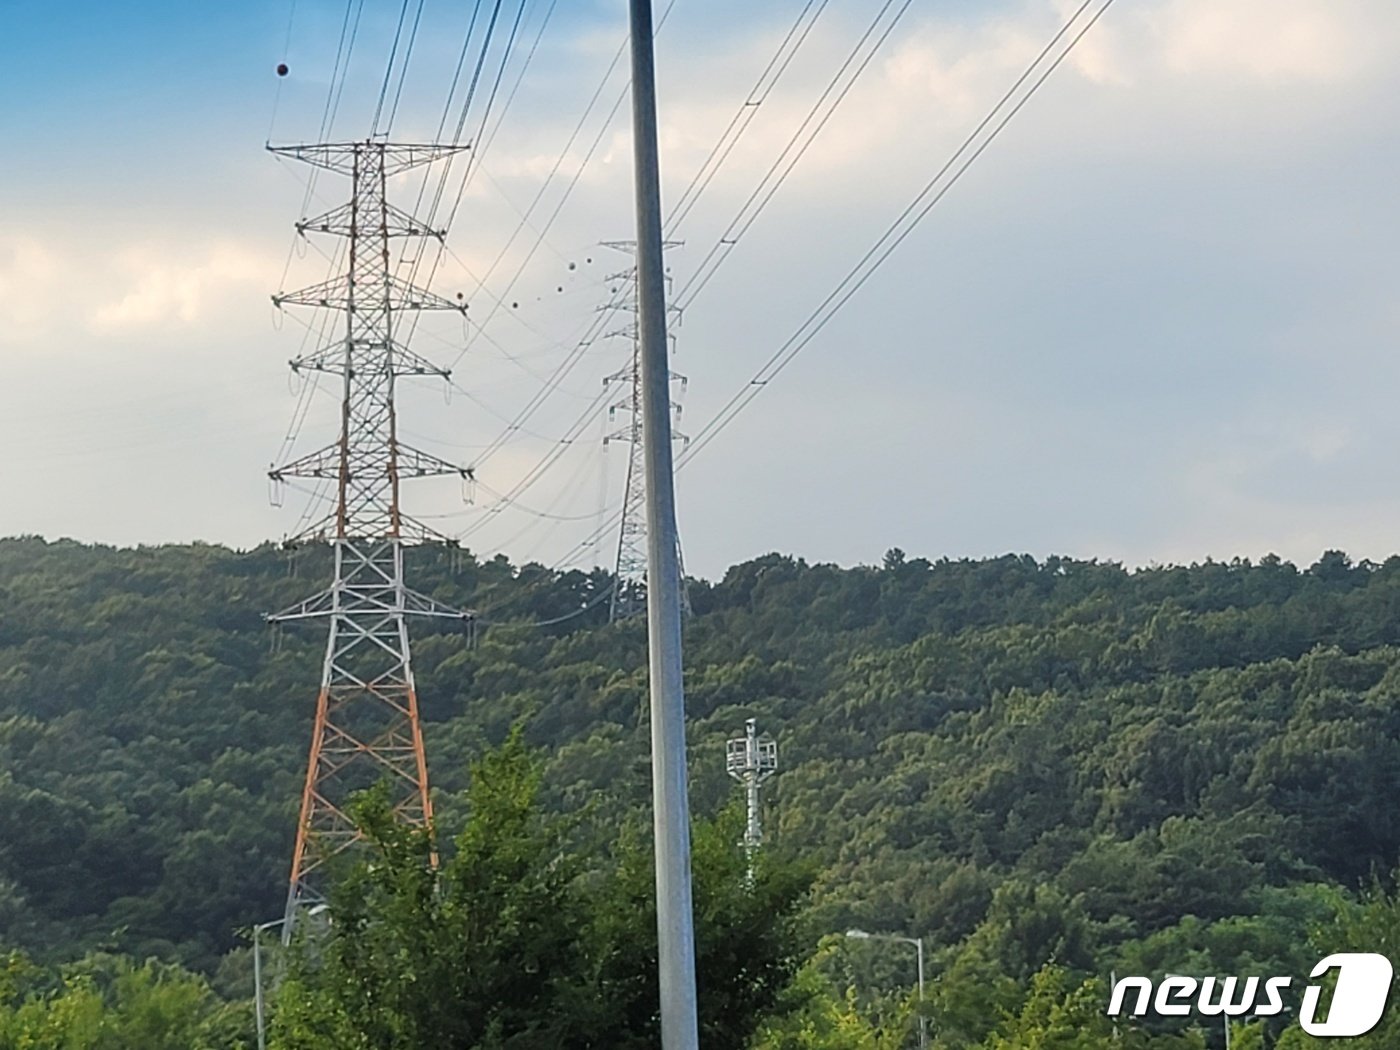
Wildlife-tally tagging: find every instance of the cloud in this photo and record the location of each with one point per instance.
(32, 290)
(1153, 322)
(1268, 40)
(935, 78)
(160, 289)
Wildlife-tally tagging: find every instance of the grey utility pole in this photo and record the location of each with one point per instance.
(670, 804)
(259, 1007)
(258, 1017)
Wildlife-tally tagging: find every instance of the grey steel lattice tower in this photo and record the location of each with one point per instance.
(630, 568)
(751, 760)
(367, 726)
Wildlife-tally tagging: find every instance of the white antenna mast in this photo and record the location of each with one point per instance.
(751, 760)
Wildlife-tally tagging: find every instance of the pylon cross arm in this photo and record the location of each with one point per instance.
(340, 293)
(394, 157)
(343, 222)
(414, 463)
(402, 362)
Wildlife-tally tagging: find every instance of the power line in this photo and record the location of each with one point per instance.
(887, 243)
(768, 186)
(587, 606)
(782, 57)
(520, 76)
(403, 69)
(927, 199)
(340, 70)
(776, 65)
(457, 138)
(466, 104)
(490, 103)
(546, 462)
(389, 68)
(744, 115)
(286, 46)
(568, 190)
(544, 186)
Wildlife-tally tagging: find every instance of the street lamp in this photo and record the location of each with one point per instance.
(257, 970)
(918, 943)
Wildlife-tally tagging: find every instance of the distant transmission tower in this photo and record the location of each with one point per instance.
(751, 760)
(367, 726)
(629, 588)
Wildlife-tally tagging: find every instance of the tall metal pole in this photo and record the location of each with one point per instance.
(671, 806)
(923, 1019)
(257, 985)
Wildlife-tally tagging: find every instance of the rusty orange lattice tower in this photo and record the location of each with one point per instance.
(367, 726)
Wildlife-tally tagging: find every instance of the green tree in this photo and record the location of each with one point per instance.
(817, 1016)
(515, 942)
(111, 1003)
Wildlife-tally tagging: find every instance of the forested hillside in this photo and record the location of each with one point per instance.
(1020, 761)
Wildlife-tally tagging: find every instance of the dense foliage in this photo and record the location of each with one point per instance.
(1050, 770)
(516, 941)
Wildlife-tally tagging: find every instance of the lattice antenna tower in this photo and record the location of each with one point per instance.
(367, 726)
(629, 573)
(752, 759)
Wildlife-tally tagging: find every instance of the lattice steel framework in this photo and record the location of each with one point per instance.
(367, 724)
(752, 759)
(630, 568)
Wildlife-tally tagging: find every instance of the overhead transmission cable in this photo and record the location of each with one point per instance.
(349, 32)
(473, 158)
(619, 296)
(544, 187)
(442, 171)
(286, 46)
(345, 48)
(457, 139)
(551, 457)
(937, 188)
(793, 152)
(592, 603)
(777, 65)
(744, 115)
(781, 60)
(472, 86)
(543, 231)
(480, 151)
(933, 192)
(403, 67)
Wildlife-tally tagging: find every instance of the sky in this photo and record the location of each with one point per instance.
(1154, 323)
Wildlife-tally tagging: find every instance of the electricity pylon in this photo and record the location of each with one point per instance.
(367, 726)
(751, 760)
(630, 568)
